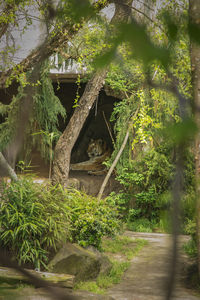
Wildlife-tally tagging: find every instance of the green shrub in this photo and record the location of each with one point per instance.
(141, 225)
(90, 220)
(191, 246)
(35, 219)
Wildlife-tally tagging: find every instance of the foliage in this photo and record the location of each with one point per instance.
(35, 219)
(91, 220)
(7, 128)
(140, 225)
(145, 181)
(146, 166)
(17, 17)
(46, 111)
(158, 51)
(104, 282)
(191, 246)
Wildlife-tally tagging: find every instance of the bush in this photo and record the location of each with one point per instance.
(141, 225)
(191, 246)
(91, 220)
(145, 182)
(36, 219)
(33, 221)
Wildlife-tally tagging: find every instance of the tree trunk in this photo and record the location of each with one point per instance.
(6, 169)
(194, 12)
(113, 165)
(62, 153)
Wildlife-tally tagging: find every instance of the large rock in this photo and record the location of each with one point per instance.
(83, 264)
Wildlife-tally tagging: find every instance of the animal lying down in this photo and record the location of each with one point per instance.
(97, 152)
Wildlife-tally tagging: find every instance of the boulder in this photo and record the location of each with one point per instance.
(82, 263)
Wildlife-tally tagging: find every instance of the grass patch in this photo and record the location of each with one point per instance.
(90, 286)
(104, 281)
(121, 245)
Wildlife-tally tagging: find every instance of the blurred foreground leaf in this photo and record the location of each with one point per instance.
(182, 131)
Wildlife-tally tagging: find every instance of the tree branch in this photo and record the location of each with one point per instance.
(46, 49)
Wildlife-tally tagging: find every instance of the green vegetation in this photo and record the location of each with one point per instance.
(124, 246)
(146, 168)
(103, 282)
(149, 71)
(36, 219)
(42, 129)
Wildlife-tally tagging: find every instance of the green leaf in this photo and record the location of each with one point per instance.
(105, 59)
(194, 32)
(142, 47)
(171, 26)
(182, 131)
(81, 9)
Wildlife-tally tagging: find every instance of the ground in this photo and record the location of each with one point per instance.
(147, 276)
(144, 280)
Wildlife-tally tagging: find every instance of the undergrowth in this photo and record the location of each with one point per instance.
(36, 219)
(122, 245)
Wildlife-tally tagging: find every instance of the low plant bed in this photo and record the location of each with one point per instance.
(120, 251)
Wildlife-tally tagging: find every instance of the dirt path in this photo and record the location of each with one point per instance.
(147, 275)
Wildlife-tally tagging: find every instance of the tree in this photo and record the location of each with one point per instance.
(195, 64)
(32, 63)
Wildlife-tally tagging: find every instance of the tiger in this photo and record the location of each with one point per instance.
(97, 152)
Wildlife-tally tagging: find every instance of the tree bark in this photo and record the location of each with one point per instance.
(113, 165)
(6, 169)
(194, 13)
(62, 153)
